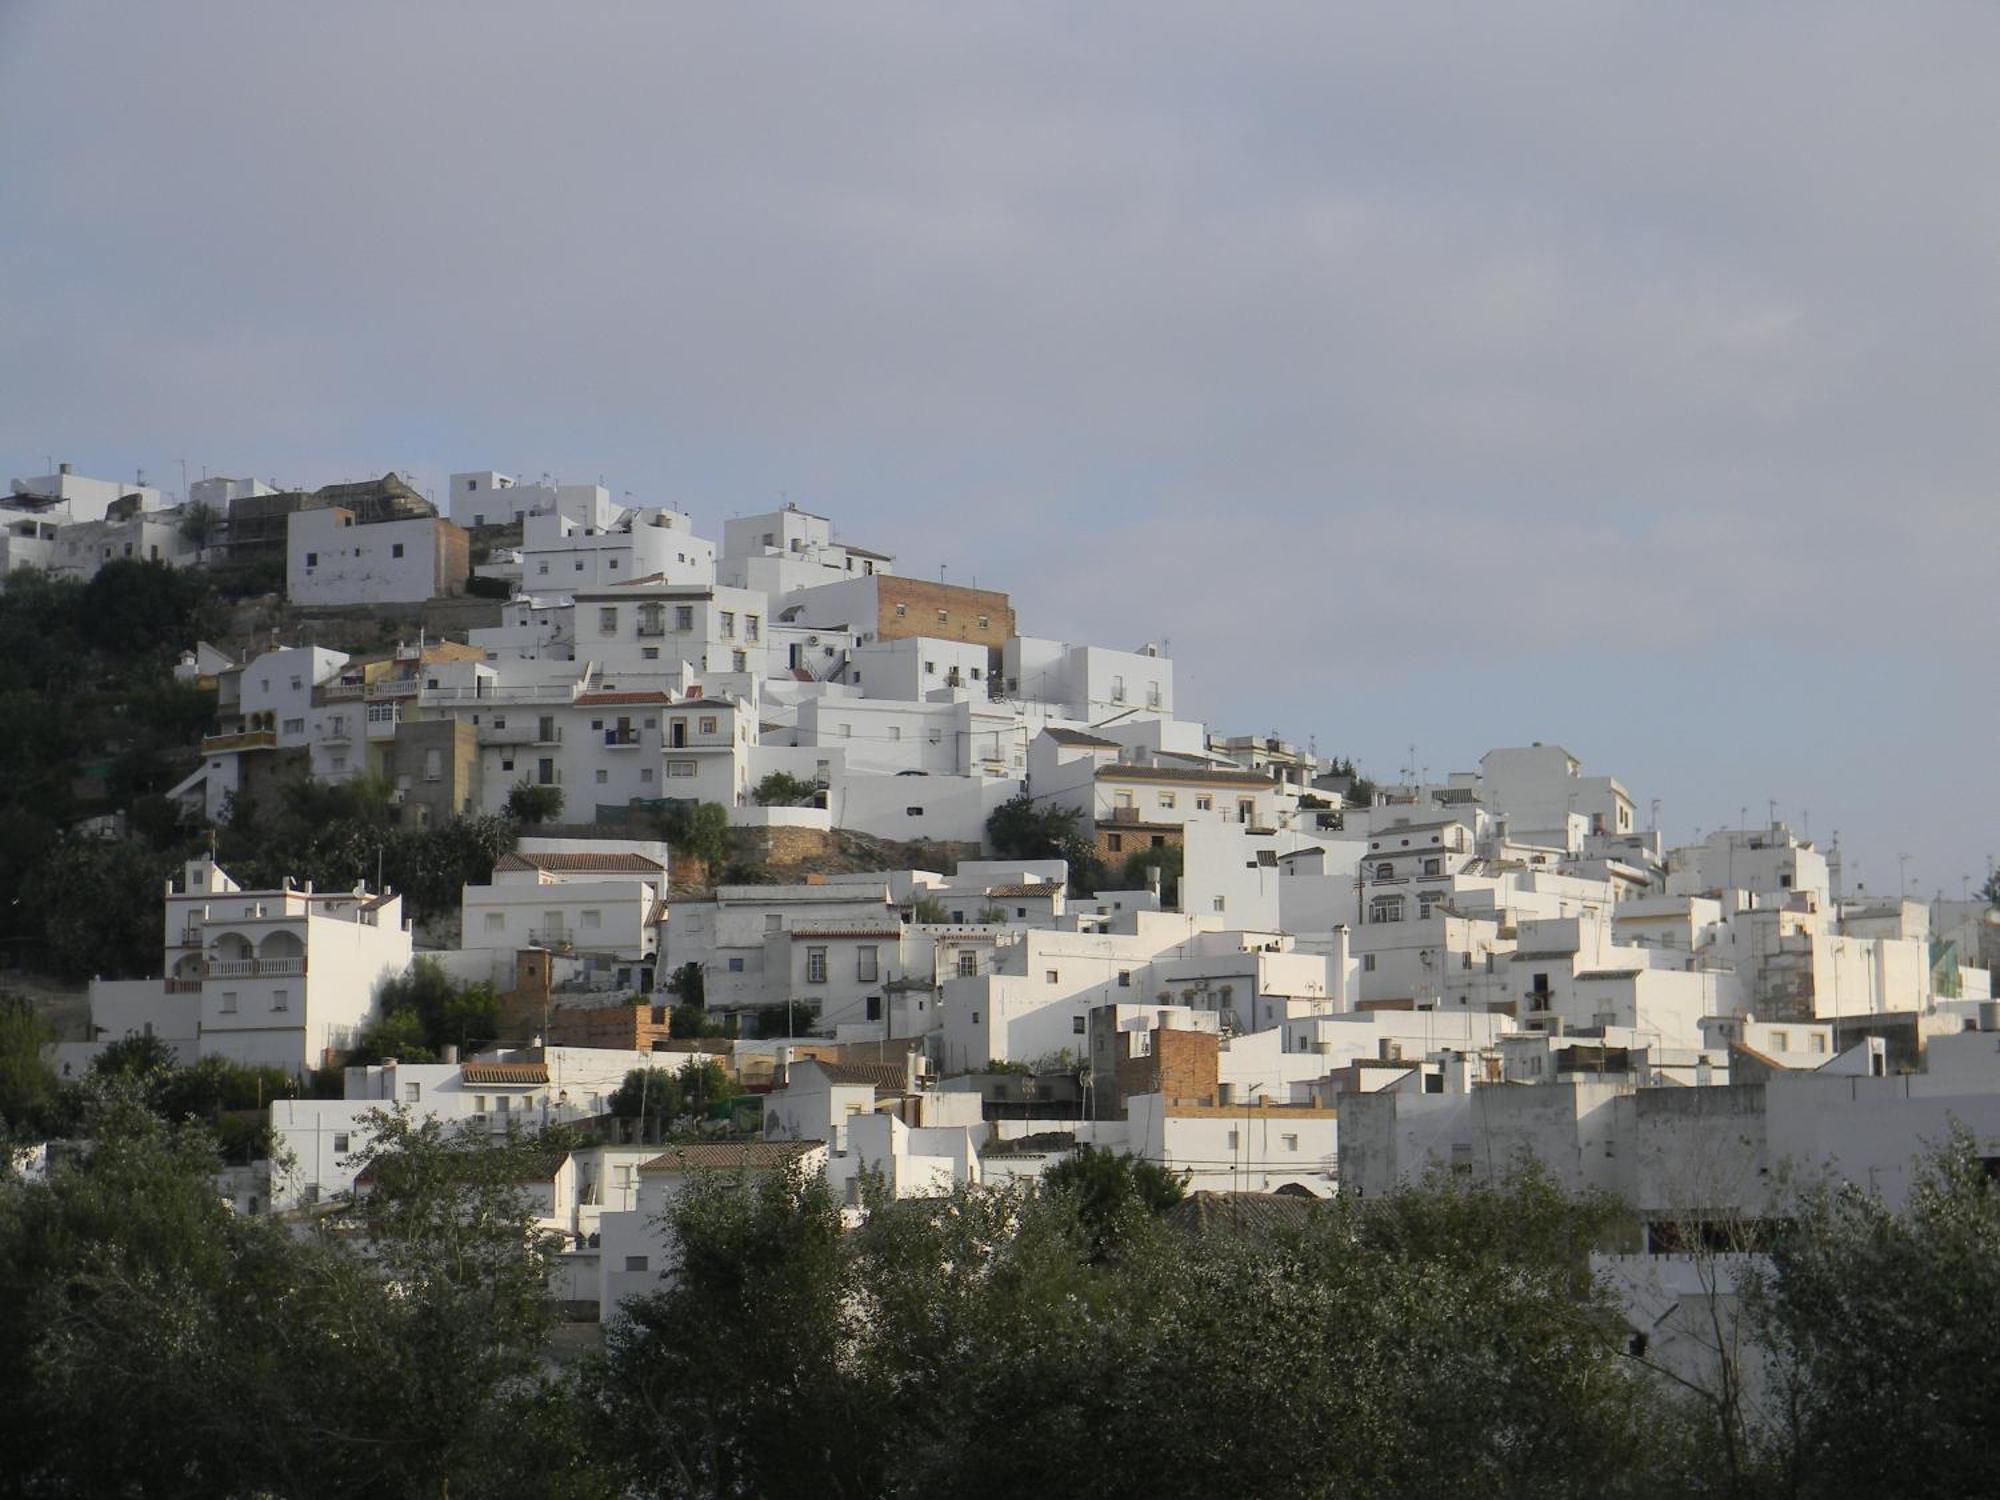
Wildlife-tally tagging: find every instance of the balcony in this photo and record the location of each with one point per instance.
(520, 734)
(336, 733)
(1124, 815)
(249, 739)
(555, 939)
(626, 737)
(183, 986)
(657, 626)
(255, 968)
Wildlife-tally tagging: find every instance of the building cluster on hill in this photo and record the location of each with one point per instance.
(1227, 957)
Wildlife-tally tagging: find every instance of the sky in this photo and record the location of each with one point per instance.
(1444, 376)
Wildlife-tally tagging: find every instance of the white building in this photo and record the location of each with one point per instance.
(282, 977)
(331, 560)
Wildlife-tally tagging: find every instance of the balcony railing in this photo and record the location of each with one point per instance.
(621, 736)
(255, 968)
(1124, 814)
(557, 938)
(249, 739)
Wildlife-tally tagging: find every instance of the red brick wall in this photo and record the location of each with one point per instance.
(922, 601)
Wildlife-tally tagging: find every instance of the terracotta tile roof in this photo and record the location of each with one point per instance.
(1039, 888)
(504, 1072)
(884, 1078)
(1078, 737)
(727, 1156)
(1191, 775)
(611, 862)
(611, 700)
(541, 1168)
(1257, 1213)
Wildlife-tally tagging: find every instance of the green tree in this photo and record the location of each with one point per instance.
(1107, 1189)
(1884, 1368)
(530, 802)
(200, 524)
(32, 1104)
(929, 910)
(696, 830)
(705, 1082)
(647, 1094)
(782, 789)
(1990, 892)
(689, 984)
(1168, 859)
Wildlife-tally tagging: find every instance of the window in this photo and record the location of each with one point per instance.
(815, 966)
(412, 1092)
(1167, 800)
(433, 765)
(1291, 1142)
(895, 731)
(773, 922)
(736, 966)
(707, 724)
(1203, 802)
(873, 1006)
(1781, 1041)
(646, 774)
(984, 622)
(340, 1142)
(542, 568)
(739, 661)
(968, 965)
(683, 617)
(593, 917)
(902, 610)
(651, 653)
(636, 1263)
(1220, 904)
(846, 731)
(395, 549)
(281, 1000)
(1232, 1140)
(1115, 842)
(1050, 976)
(603, 776)
(1816, 1043)
(1368, 963)
(229, 1002)
(295, 726)
(1429, 902)
(680, 768)
(728, 624)
(312, 559)
(1076, 1025)
(1386, 909)
(751, 627)
(1124, 979)
(607, 620)
(1433, 867)
(496, 921)
(942, 617)
(867, 964)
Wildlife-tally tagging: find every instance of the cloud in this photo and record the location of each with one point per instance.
(1360, 350)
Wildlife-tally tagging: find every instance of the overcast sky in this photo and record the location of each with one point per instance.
(1612, 375)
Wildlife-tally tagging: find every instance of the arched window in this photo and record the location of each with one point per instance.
(1385, 870)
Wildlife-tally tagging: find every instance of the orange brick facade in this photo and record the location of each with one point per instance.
(632, 1028)
(910, 607)
(1183, 1066)
(1118, 842)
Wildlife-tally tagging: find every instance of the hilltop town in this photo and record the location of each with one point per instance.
(536, 822)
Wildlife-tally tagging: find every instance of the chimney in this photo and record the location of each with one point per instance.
(450, 1053)
(62, 468)
(912, 1070)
